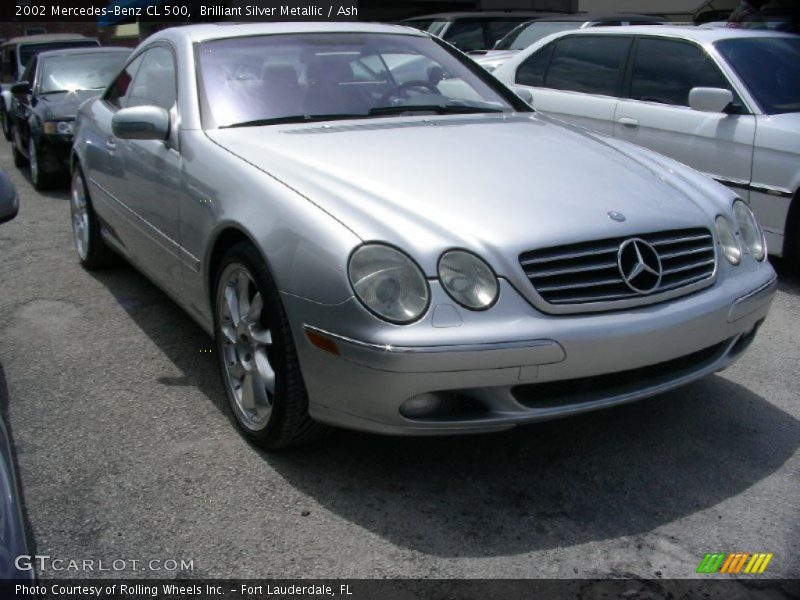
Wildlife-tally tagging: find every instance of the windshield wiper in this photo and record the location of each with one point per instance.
(439, 109)
(293, 119)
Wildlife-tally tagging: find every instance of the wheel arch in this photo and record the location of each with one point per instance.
(227, 237)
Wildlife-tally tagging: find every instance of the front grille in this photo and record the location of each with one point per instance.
(587, 389)
(588, 272)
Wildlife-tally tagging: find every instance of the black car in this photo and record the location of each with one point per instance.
(55, 83)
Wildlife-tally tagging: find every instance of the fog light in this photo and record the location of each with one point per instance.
(420, 406)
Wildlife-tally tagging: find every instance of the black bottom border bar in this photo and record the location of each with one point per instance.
(707, 588)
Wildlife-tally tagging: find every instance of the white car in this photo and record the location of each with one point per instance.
(724, 101)
(531, 32)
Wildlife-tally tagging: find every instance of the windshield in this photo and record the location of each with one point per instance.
(769, 67)
(321, 76)
(80, 71)
(525, 35)
(26, 51)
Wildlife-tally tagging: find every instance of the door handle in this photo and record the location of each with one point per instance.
(111, 145)
(628, 122)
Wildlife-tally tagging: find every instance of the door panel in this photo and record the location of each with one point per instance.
(719, 145)
(656, 113)
(149, 182)
(593, 112)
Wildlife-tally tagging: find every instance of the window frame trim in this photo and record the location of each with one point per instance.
(625, 94)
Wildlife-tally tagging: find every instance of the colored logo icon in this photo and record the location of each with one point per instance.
(736, 563)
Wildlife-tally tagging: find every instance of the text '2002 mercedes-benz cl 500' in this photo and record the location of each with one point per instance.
(381, 236)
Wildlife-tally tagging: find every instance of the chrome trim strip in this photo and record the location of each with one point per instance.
(750, 187)
(432, 349)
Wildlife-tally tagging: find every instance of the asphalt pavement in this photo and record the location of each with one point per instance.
(127, 452)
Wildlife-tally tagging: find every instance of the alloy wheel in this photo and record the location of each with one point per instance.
(34, 160)
(246, 347)
(80, 216)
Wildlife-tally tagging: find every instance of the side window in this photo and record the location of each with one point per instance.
(155, 84)
(588, 64)
(533, 69)
(30, 71)
(496, 30)
(666, 70)
(118, 91)
(466, 35)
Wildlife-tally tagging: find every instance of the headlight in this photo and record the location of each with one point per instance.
(728, 241)
(752, 236)
(59, 127)
(468, 280)
(388, 283)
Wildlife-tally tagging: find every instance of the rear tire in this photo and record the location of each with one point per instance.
(257, 356)
(92, 249)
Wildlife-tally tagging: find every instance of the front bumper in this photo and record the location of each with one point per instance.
(545, 366)
(55, 151)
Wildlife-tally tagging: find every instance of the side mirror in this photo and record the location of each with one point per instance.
(21, 88)
(710, 100)
(524, 93)
(141, 123)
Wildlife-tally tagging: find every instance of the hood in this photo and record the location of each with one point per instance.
(494, 58)
(64, 105)
(496, 184)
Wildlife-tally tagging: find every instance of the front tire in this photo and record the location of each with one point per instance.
(92, 250)
(256, 354)
(39, 179)
(19, 158)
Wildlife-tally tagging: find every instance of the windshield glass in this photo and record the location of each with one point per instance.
(26, 51)
(769, 67)
(254, 80)
(525, 35)
(80, 71)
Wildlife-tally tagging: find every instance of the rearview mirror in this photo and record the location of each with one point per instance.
(141, 123)
(524, 93)
(710, 100)
(21, 88)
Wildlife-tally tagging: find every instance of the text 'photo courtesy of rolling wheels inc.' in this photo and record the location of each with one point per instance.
(399, 299)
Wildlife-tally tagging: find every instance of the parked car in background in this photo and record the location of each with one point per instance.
(531, 32)
(17, 52)
(45, 103)
(724, 101)
(405, 256)
(473, 30)
(9, 200)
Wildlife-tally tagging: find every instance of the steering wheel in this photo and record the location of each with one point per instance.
(401, 91)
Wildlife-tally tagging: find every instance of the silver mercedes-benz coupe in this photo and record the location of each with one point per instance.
(381, 236)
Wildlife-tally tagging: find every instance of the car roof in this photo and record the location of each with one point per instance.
(590, 17)
(688, 32)
(89, 50)
(214, 31)
(486, 14)
(43, 38)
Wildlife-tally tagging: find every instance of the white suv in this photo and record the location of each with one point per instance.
(724, 101)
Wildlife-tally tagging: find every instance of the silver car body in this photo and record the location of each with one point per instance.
(756, 154)
(308, 195)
